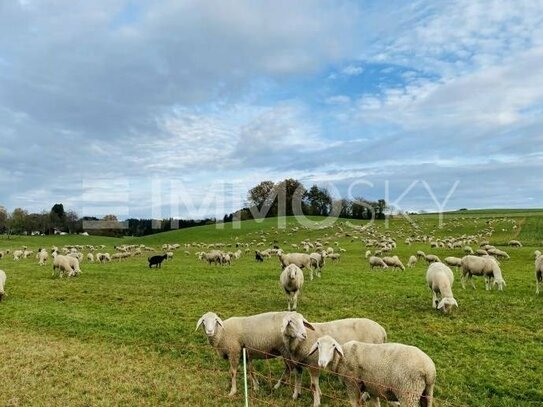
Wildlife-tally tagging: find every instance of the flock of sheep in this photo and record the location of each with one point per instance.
(356, 349)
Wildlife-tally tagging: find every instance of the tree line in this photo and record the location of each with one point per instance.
(267, 199)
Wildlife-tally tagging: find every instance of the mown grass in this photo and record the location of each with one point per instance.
(123, 335)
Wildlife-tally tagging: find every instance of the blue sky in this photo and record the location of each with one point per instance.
(130, 107)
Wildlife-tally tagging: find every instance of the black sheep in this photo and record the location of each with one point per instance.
(156, 260)
(258, 256)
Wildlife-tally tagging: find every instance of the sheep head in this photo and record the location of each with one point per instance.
(210, 321)
(328, 347)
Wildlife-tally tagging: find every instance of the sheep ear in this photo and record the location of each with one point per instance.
(308, 325)
(441, 303)
(219, 321)
(286, 322)
(199, 323)
(339, 349)
(314, 348)
(455, 303)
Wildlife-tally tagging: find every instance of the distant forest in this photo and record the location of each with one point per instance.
(264, 200)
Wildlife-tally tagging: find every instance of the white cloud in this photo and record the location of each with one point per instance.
(352, 70)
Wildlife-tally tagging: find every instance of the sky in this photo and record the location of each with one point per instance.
(177, 108)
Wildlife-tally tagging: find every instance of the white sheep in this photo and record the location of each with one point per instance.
(453, 261)
(377, 262)
(421, 254)
(432, 258)
(412, 261)
(538, 273)
(368, 254)
(468, 250)
(292, 281)
(440, 280)
(17, 254)
(2, 284)
(62, 264)
(387, 371)
(499, 254)
(514, 243)
(42, 257)
(537, 253)
(302, 260)
(299, 342)
(259, 334)
(486, 266)
(394, 262)
(90, 257)
(317, 263)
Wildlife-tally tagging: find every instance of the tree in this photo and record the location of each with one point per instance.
(263, 195)
(58, 216)
(3, 219)
(318, 201)
(293, 192)
(18, 219)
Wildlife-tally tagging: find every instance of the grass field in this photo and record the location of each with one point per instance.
(123, 335)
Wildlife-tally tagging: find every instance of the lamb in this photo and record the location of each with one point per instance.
(468, 250)
(259, 334)
(440, 280)
(2, 284)
(394, 262)
(388, 371)
(42, 257)
(538, 273)
(292, 280)
(421, 254)
(368, 254)
(90, 257)
(334, 256)
(156, 260)
(300, 341)
(514, 243)
(453, 261)
(62, 264)
(302, 260)
(317, 263)
(103, 257)
(431, 258)
(17, 254)
(500, 254)
(412, 261)
(377, 262)
(485, 266)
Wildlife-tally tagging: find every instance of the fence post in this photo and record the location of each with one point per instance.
(245, 377)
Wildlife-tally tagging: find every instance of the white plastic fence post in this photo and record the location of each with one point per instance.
(245, 377)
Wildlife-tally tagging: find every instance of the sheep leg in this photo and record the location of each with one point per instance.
(286, 371)
(295, 301)
(435, 302)
(252, 374)
(353, 392)
(311, 273)
(315, 388)
(297, 382)
(234, 362)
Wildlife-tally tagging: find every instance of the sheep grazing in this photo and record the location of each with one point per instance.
(63, 265)
(169, 255)
(481, 252)
(2, 284)
(292, 280)
(537, 253)
(421, 254)
(299, 342)
(387, 371)
(431, 258)
(258, 256)
(468, 250)
(103, 257)
(453, 261)
(90, 257)
(334, 256)
(368, 254)
(538, 273)
(440, 280)
(377, 262)
(514, 243)
(302, 260)
(394, 262)
(214, 256)
(412, 261)
(157, 260)
(485, 266)
(499, 254)
(259, 334)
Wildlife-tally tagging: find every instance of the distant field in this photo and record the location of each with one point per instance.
(123, 335)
